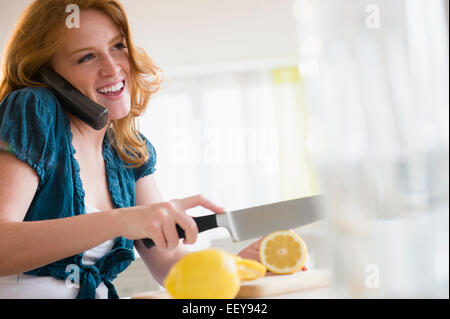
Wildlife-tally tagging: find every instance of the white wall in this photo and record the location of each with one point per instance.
(9, 14)
(182, 36)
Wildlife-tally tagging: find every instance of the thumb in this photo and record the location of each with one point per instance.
(200, 200)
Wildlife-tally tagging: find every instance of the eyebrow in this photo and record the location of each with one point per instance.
(117, 37)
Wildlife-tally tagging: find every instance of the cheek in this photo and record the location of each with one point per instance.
(126, 62)
(80, 80)
(118, 112)
(126, 66)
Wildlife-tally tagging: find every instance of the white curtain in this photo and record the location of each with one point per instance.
(378, 82)
(236, 137)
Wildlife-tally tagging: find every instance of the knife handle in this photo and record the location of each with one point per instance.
(203, 223)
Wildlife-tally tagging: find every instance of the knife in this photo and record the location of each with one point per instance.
(258, 221)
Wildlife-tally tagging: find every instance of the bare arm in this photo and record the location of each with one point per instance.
(27, 245)
(159, 261)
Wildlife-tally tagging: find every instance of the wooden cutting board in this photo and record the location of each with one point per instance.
(268, 285)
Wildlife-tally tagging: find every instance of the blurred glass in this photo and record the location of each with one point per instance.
(376, 80)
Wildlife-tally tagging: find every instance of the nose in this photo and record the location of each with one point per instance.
(109, 67)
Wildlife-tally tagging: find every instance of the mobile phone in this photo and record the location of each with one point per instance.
(74, 101)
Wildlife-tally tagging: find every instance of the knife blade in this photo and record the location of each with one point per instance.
(260, 220)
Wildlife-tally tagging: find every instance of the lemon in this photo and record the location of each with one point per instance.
(204, 274)
(249, 269)
(283, 252)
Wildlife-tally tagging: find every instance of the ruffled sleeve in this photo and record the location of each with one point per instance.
(27, 129)
(149, 166)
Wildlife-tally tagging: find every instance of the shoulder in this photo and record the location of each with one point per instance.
(29, 126)
(150, 148)
(148, 167)
(146, 140)
(33, 98)
(30, 115)
(35, 106)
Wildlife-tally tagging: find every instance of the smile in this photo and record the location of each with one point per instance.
(112, 90)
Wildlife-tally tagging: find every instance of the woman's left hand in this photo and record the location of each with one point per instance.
(251, 251)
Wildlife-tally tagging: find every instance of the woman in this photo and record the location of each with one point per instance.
(59, 170)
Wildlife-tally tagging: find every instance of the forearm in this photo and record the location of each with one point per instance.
(162, 270)
(159, 262)
(28, 245)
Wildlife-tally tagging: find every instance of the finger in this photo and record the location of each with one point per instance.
(170, 233)
(158, 239)
(190, 228)
(255, 245)
(200, 200)
(258, 243)
(250, 253)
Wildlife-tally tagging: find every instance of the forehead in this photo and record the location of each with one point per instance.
(95, 28)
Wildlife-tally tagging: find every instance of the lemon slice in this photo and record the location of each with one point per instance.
(249, 269)
(283, 252)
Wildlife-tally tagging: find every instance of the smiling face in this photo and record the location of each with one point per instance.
(95, 60)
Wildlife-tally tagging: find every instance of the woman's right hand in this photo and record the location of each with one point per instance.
(158, 221)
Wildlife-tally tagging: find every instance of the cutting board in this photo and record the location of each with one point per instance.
(268, 285)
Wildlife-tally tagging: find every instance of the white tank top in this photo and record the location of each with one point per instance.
(22, 286)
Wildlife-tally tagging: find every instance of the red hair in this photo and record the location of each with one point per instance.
(40, 32)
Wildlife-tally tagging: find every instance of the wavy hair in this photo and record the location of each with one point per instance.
(41, 31)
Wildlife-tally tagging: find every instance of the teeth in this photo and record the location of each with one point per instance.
(113, 88)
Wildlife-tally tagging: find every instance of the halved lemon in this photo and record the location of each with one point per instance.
(249, 269)
(283, 252)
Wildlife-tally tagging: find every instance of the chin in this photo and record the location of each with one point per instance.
(115, 117)
(118, 114)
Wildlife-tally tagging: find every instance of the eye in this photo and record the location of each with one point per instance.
(120, 46)
(86, 58)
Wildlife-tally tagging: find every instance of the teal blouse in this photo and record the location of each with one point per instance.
(35, 128)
